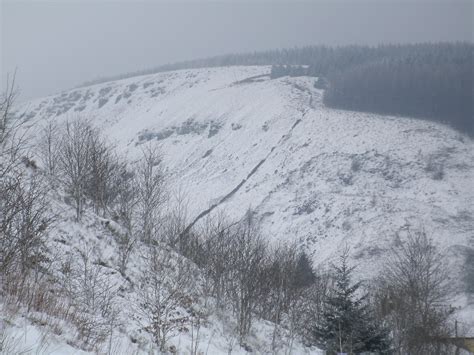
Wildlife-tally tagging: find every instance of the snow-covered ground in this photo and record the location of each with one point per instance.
(29, 332)
(232, 138)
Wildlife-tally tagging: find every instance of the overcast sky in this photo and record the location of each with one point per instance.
(56, 45)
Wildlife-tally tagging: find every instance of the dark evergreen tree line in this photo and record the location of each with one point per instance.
(435, 83)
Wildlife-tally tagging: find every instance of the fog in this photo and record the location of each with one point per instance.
(57, 45)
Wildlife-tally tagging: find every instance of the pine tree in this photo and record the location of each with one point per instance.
(348, 325)
(304, 275)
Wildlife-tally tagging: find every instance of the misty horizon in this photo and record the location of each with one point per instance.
(57, 46)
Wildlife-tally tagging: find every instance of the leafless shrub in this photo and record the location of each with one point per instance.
(197, 318)
(166, 294)
(126, 198)
(85, 297)
(93, 299)
(211, 251)
(242, 273)
(8, 125)
(228, 257)
(243, 281)
(23, 222)
(105, 170)
(75, 160)
(124, 211)
(126, 241)
(87, 165)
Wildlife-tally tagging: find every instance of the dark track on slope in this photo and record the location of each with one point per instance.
(249, 175)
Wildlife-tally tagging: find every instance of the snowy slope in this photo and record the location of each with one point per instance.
(233, 139)
(29, 332)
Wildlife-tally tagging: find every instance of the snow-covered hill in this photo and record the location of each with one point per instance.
(232, 138)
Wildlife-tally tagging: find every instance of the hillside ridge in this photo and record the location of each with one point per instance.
(233, 139)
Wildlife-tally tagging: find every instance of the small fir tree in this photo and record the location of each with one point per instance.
(348, 324)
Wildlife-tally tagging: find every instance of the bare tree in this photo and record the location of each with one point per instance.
(125, 213)
(48, 147)
(126, 199)
(175, 222)
(247, 265)
(280, 297)
(232, 256)
(75, 160)
(308, 309)
(413, 296)
(166, 294)
(93, 297)
(85, 163)
(104, 167)
(292, 294)
(150, 187)
(23, 221)
(12, 142)
(24, 218)
(8, 125)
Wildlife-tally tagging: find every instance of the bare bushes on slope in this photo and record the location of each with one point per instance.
(23, 221)
(413, 294)
(243, 273)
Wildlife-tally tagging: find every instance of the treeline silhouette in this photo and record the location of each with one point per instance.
(427, 80)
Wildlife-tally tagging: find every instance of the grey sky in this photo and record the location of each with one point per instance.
(57, 45)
